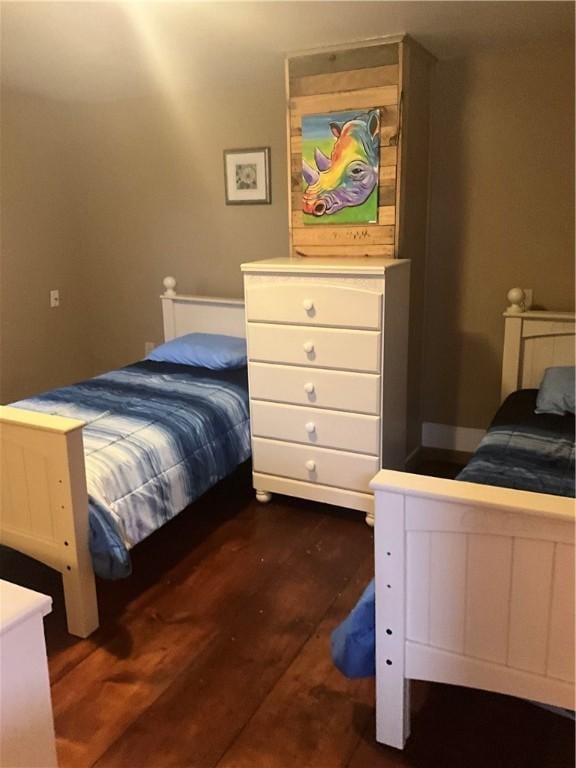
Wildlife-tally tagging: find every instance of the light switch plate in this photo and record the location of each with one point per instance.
(54, 298)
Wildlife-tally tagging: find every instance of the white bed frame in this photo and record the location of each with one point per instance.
(44, 503)
(475, 584)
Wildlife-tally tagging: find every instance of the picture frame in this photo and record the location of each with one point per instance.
(247, 176)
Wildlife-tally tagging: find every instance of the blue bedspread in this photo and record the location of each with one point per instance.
(157, 436)
(524, 450)
(521, 450)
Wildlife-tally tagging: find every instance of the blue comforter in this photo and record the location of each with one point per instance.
(157, 436)
(523, 450)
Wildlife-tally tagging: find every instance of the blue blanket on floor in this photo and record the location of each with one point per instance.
(354, 640)
(157, 436)
(523, 450)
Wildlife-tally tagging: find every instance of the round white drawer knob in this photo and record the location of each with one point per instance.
(309, 387)
(308, 346)
(310, 465)
(310, 427)
(308, 304)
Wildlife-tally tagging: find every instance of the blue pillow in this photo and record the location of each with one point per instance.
(203, 350)
(556, 393)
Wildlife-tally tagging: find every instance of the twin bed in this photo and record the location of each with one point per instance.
(474, 583)
(90, 470)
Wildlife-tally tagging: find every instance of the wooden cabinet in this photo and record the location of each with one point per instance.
(390, 77)
(327, 349)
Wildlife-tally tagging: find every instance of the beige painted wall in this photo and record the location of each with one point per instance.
(502, 214)
(146, 180)
(39, 347)
(152, 174)
(103, 201)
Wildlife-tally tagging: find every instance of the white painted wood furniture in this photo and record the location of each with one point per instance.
(475, 584)
(27, 725)
(533, 341)
(327, 349)
(44, 503)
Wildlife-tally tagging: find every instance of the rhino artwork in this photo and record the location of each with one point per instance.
(348, 177)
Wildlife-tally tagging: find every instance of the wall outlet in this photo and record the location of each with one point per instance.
(54, 298)
(149, 346)
(528, 298)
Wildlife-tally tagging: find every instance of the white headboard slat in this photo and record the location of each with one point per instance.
(534, 341)
(202, 314)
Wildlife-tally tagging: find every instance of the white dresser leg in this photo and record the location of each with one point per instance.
(263, 497)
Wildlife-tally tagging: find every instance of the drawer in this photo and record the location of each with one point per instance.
(322, 347)
(312, 426)
(314, 465)
(308, 303)
(341, 390)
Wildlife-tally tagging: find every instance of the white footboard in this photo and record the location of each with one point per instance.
(44, 504)
(475, 587)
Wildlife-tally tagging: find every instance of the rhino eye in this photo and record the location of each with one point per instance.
(356, 170)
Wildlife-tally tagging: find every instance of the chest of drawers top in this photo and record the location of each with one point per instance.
(369, 265)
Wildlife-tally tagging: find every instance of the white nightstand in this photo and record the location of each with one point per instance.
(27, 725)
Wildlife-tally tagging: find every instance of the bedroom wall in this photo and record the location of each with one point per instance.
(502, 215)
(151, 171)
(143, 197)
(40, 347)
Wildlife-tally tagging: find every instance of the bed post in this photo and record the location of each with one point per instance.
(78, 575)
(167, 298)
(44, 511)
(392, 688)
(512, 342)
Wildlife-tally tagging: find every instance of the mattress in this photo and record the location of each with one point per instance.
(157, 436)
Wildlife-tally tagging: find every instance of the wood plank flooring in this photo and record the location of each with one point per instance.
(215, 653)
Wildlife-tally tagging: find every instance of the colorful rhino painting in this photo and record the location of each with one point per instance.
(340, 160)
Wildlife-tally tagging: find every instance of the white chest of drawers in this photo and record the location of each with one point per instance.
(327, 350)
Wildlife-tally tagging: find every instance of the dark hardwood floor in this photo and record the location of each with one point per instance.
(215, 652)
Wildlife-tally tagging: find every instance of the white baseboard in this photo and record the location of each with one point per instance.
(451, 438)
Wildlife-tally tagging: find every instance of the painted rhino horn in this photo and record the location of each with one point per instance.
(322, 161)
(310, 175)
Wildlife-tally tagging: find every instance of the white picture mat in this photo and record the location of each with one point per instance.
(257, 158)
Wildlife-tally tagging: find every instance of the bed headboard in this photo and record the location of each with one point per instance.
(533, 341)
(203, 314)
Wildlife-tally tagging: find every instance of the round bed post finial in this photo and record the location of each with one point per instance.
(169, 285)
(516, 297)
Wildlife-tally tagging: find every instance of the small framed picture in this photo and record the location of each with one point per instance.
(247, 176)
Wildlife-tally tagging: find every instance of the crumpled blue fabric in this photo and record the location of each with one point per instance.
(110, 558)
(354, 640)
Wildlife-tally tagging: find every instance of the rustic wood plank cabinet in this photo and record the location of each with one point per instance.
(392, 75)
